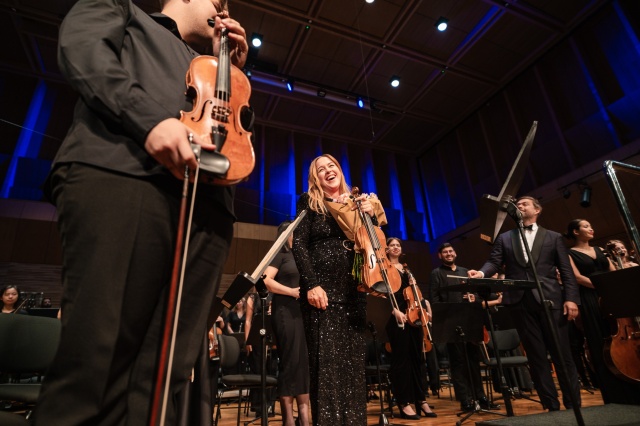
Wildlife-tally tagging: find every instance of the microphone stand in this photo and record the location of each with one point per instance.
(516, 215)
(382, 419)
(263, 293)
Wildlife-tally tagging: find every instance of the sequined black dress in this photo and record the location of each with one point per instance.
(335, 337)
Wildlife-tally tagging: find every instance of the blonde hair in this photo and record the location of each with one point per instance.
(316, 193)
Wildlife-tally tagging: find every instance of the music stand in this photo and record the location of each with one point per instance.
(260, 333)
(460, 323)
(377, 317)
(619, 292)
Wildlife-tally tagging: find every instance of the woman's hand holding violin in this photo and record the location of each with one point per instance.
(401, 317)
(365, 205)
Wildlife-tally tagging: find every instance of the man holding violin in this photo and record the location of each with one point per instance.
(116, 183)
(463, 383)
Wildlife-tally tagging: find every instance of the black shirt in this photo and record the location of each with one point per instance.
(439, 280)
(130, 74)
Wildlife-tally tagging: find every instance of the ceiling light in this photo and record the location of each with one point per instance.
(369, 1)
(289, 85)
(585, 200)
(442, 23)
(360, 102)
(395, 81)
(256, 40)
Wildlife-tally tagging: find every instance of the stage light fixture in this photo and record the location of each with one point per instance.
(442, 23)
(395, 81)
(256, 40)
(289, 85)
(322, 93)
(585, 199)
(360, 102)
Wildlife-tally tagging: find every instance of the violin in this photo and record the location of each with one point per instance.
(416, 316)
(622, 349)
(378, 276)
(214, 351)
(218, 117)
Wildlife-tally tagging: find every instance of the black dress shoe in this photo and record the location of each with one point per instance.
(487, 405)
(408, 416)
(467, 406)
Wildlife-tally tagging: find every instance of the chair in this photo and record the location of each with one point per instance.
(11, 419)
(508, 343)
(28, 346)
(229, 355)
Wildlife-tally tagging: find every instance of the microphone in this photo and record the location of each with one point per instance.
(513, 211)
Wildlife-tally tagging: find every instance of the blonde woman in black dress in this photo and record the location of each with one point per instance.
(334, 312)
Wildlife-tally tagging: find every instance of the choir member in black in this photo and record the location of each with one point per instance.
(463, 384)
(587, 260)
(334, 312)
(548, 252)
(116, 182)
(408, 369)
(283, 281)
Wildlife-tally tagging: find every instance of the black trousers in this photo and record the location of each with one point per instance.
(118, 236)
(537, 339)
(464, 384)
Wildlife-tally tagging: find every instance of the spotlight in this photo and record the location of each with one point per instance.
(256, 40)
(585, 199)
(289, 85)
(248, 73)
(322, 93)
(442, 24)
(369, 1)
(566, 193)
(395, 81)
(360, 102)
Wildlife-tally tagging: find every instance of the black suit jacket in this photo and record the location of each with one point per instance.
(548, 253)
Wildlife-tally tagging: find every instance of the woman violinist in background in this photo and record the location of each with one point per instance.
(11, 300)
(587, 260)
(617, 249)
(408, 368)
(333, 311)
(283, 281)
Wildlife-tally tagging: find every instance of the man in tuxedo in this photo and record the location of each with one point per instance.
(548, 252)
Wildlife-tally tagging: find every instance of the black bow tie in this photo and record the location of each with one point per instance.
(528, 227)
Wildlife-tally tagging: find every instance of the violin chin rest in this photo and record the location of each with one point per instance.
(213, 162)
